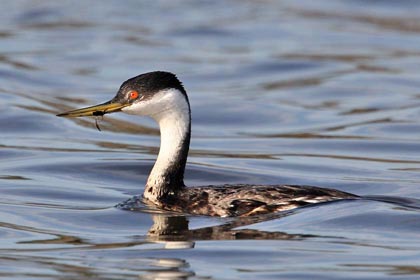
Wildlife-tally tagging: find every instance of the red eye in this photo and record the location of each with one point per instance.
(133, 94)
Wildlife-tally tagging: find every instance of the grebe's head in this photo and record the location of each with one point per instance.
(151, 94)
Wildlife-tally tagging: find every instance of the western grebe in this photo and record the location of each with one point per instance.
(162, 96)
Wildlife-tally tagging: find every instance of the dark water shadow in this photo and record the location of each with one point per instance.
(403, 202)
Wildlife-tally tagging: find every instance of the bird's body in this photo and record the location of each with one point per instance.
(161, 96)
(244, 200)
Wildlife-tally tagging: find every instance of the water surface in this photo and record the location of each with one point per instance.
(322, 93)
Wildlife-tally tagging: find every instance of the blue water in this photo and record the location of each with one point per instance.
(322, 93)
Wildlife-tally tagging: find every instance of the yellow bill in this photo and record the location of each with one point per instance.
(97, 110)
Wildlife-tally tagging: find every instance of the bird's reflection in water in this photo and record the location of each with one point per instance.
(169, 228)
(174, 233)
(171, 268)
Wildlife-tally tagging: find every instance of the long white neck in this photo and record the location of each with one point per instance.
(170, 108)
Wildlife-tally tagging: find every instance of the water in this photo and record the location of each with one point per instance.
(311, 92)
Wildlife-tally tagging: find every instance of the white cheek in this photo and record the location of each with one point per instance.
(142, 108)
(161, 105)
